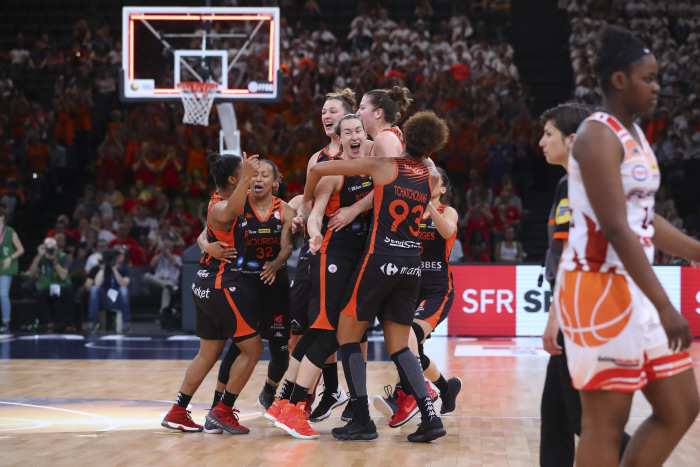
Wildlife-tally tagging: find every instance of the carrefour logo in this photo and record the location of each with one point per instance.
(389, 269)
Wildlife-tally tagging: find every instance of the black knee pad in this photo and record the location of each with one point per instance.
(420, 334)
(279, 360)
(325, 346)
(225, 368)
(305, 343)
(424, 360)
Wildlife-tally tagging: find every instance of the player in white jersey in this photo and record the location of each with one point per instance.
(621, 331)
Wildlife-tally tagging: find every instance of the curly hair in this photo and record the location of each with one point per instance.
(617, 50)
(424, 134)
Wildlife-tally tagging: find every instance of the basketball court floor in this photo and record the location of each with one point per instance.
(74, 400)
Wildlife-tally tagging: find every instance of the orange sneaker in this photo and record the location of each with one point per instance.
(433, 393)
(293, 421)
(408, 408)
(275, 409)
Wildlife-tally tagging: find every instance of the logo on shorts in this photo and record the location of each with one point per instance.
(253, 265)
(332, 268)
(202, 273)
(621, 362)
(240, 262)
(278, 334)
(421, 307)
(291, 284)
(389, 269)
(639, 172)
(278, 322)
(231, 289)
(200, 292)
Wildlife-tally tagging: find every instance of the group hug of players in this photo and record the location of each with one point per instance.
(377, 245)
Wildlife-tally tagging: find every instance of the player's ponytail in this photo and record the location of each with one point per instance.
(392, 102)
(445, 179)
(424, 133)
(346, 97)
(222, 167)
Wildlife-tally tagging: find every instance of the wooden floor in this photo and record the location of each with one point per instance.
(108, 412)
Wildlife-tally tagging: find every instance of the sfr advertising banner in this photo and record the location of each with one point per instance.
(506, 301)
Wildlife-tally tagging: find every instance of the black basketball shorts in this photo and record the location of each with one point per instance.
(223, 313)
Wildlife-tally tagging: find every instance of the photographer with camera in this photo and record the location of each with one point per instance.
(166, 264)
(53, 287)
(108, 285)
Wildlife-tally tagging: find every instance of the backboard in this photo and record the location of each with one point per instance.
(236, 48)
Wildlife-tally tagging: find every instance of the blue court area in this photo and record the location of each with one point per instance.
(119, 347)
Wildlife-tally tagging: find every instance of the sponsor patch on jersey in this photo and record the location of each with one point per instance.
(264, 230)
(240, 262)
(389, 269)
(366, 184)
(332, 268)
(253, 265)
(422, 226)
(563, 213)
(639, 172)
(277, 215)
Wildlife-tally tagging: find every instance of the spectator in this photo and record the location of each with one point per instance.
(124, 238)
(88, 245)
(37, 154)
(94, 258)
(10, 249)
(671, 215)
(478, 217)
(499, 158)
(54, 288)
(196, 156)
(178, 212)
(509, 197)
(144, 224)
(62, 227)
(145, 165)
(509, 250)
(166, 264)
(108, 285)
(476, 251)
(169, 169)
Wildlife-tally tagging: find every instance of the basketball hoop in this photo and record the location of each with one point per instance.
(197, 98)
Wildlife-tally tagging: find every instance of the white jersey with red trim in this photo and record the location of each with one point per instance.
(588, 250)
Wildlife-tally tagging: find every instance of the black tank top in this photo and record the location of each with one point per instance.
(264, 239)
(398, 210)
(350, 241)
(323, 156)
(435, 253)
(225, 273)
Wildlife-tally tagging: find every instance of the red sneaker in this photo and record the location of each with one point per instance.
(226, 419)
(293, 421)
(408, 408)
(179, 419)
(275, 409)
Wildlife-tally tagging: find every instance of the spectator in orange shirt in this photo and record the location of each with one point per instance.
(37, 154)
(197, 156)
(145, 165)
(82, 123)
(170, 168)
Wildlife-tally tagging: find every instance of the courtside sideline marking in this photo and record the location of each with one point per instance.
(112, 423)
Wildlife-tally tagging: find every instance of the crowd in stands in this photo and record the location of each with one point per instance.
(671, 30)
(146, 176)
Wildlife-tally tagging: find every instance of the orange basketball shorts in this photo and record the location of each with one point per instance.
(613, 336)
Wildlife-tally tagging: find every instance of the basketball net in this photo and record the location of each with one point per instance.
(197, 99)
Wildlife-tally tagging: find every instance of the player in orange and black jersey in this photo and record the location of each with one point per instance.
(337, 105)
(387, 279)
(222, 312)
(437, 233)
(263, 274)
(336, 254)
(380, 110)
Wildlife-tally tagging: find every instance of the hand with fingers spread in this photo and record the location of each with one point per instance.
(676, 327)
(342, 217)
(221, 251)
(269, 272)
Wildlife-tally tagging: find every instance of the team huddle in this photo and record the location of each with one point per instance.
(377, 241)
(375, 228)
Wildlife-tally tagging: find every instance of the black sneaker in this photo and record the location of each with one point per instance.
(387, 405)
(449, 399)
(266, 398)
(354, 431)
(348, 413)
(329, 401)
(427, 432)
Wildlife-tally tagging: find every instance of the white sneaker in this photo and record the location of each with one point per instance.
(329, 401)
(212, 429)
